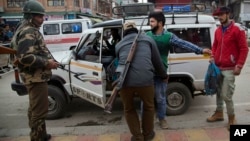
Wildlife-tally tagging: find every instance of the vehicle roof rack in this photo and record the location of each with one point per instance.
(195, 16)
(140, 10)
(127, 11)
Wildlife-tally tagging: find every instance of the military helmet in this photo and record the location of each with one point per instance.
(33, 7)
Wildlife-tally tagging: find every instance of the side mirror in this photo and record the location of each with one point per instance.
(72, 47)
(117, 10)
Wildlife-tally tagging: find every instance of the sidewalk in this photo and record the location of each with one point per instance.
(205, 134)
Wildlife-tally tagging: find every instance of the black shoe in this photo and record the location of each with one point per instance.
(47, 137)
(150, 136)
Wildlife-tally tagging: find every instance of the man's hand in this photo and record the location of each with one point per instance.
(52, 64)
(206, 51)
(237, 70)
(211, 60)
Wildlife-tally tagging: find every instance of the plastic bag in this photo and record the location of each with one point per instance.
(212, 79)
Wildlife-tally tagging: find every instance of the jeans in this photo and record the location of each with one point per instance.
(160, 97)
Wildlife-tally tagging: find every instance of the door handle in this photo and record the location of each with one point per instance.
(95, 73)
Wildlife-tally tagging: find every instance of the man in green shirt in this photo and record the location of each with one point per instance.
(164, 41)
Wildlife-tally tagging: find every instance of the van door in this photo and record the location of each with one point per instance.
(87, 73)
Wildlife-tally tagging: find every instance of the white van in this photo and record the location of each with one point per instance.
(59, 35)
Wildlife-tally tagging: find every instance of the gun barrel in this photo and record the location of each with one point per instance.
(6, 50)
(109, 105)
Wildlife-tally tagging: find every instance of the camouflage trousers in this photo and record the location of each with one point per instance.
(38, 109)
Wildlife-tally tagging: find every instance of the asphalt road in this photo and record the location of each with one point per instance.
(82, 117)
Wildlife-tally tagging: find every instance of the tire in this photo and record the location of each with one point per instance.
(57, 102)
(178, 98)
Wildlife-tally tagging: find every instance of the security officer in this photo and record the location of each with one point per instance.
(34, 62)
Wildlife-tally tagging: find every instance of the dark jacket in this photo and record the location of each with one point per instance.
(145, 63)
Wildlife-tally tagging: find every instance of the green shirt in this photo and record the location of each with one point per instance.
(163, 45)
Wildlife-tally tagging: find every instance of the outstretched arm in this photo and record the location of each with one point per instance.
(174, 40)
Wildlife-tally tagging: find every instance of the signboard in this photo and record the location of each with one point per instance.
(54, 17)
(176, 8)
(86, 10)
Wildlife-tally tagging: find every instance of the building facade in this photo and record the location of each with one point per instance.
(11, 10)
(245, 13)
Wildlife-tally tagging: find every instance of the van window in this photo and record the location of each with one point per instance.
(51, 29)
(197, 36)
(68, 28)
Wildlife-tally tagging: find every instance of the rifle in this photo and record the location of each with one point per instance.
(6, 50)
(119, 83)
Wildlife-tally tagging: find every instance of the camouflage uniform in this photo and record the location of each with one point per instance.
(33, 63)
(32, 56)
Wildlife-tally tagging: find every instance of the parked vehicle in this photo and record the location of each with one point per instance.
(61, 34)
(87, 70)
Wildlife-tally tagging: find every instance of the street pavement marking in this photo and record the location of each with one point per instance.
(65, 138)
(109, 137)
(197, 135)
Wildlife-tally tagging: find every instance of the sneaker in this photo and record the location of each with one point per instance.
(163, 124)
(150, 136)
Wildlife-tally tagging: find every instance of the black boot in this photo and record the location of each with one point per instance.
(47, 137)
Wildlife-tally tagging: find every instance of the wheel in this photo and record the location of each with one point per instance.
(178, 98)
(57, 102)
